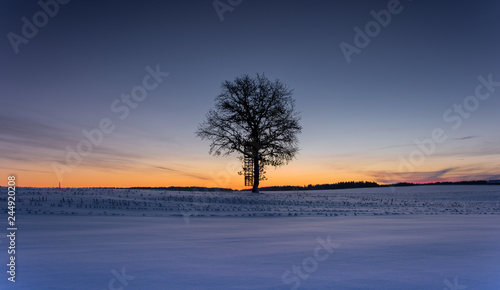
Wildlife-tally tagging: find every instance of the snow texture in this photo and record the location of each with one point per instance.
(425, 237)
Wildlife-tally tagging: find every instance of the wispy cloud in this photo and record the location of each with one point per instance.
(465, 138)
(33, 140)
(414, 145)
(420, 176)
(182, 172)
(13, 169)
(384, 129)
(31, 132)
(395, 146)
(471, 172)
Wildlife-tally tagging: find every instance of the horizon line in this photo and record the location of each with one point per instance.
(375, 184)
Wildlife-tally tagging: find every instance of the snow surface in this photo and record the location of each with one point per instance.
(455, 199)
(426, 237)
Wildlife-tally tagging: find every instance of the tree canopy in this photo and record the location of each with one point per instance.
(256, 118)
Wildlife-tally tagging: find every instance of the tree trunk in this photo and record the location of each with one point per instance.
(256, 173)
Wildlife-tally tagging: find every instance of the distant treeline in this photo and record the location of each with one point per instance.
(186, 188)
(473, 182)
(364, 184)
(338, 185)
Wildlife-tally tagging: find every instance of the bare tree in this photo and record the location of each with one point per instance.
(255, 118)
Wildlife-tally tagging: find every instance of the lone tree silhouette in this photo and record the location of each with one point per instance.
(256, 118)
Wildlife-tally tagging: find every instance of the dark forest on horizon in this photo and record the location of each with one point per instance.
(338, 185)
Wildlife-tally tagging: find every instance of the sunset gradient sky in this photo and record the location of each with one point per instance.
(417, 78)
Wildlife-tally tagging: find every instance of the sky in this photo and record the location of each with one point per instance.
(388, 91)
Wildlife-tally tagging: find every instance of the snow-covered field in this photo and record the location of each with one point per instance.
(431, 200)
(426, 237)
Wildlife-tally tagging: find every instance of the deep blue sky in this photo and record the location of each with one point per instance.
(359, 118)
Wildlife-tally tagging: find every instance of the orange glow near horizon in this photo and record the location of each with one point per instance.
(222, 178)
(222, 172)
(279, 177)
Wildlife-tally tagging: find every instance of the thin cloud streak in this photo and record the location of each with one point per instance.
(182, 173)
(413, 144)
